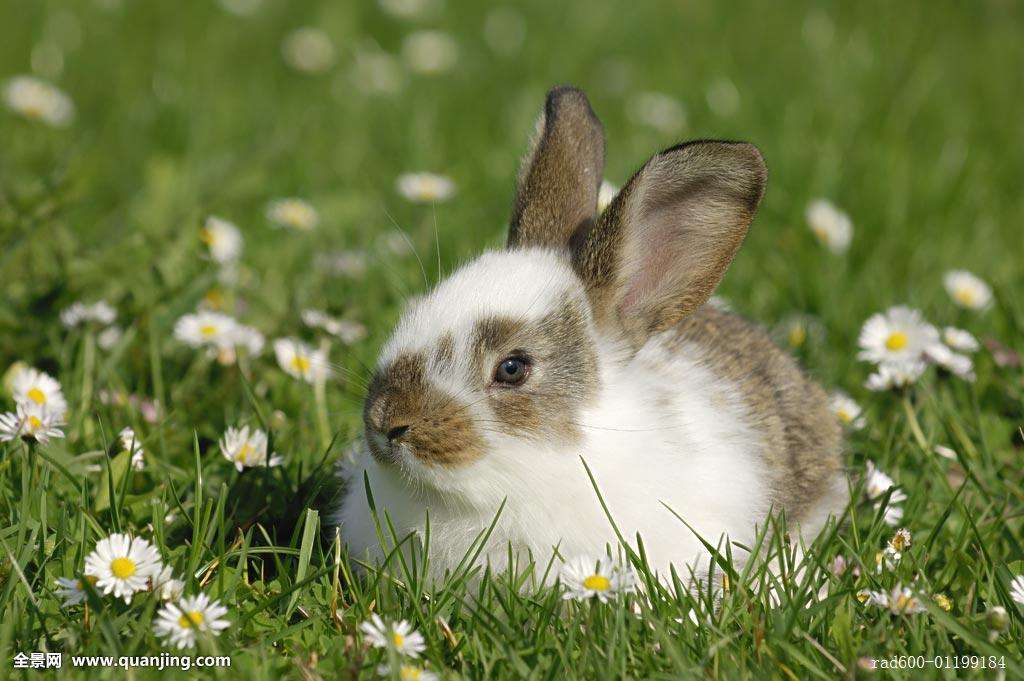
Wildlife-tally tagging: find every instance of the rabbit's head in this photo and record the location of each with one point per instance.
(506, 353)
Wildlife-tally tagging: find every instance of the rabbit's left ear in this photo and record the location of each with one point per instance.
(659, 250)
(556, 193)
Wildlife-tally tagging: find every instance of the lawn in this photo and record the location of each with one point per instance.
(906, 116)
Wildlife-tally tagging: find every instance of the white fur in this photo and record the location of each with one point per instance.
(693, 450)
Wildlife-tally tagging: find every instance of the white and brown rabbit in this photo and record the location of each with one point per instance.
(589, 337)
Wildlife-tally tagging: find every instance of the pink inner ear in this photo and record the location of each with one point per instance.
(652, 270)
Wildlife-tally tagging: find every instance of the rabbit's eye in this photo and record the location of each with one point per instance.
(511, 371)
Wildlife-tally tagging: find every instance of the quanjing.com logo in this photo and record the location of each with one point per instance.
(159, 662)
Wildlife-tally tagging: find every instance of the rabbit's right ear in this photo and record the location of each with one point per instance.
(661, 247)
(559, 180)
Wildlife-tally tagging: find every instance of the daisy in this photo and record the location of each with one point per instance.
(409, 672)
(180, 622)
(831, 226)
(109, 337)
(31, 421)
(164, 583)
(848, 411)
(293, 214)
(953, 362)
(72, 590)
(130, 443)
(657, 110)
(942, 600)
(122, 565)
(348, 331)
(79, 313)
(308, 50)
(899, 600)
(247, 449)
(900, 334)
(223, 239)
(585, 578)
(301, 360)
(425, 187)
(37, 100)
(1017, 589)
(892, 375)
(430, 52)
(900, 541)
(961, 340)
(605, 195)
(376, 72)
(877, 483)
(247, 337)
(397, 635)
(205, 328)
(30, 385)
(967, 290)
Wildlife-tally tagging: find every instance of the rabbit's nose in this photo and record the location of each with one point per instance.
(397, 432)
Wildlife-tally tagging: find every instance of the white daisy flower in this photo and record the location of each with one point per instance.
(293, 214)
(72, 590)
(376, 72)
(223, 238)
(181, 622)
(877, 483)
(893, 514)
(308, 49)
(345, 263)
(961, 340)
(847, 411)
(831, 226)
(900, 542)
(425, 187)
(205, 328)
(348, 331)
(130, 443)
(953, 362)
(79, 313)
(31, 421)
(1017, 589)
(408, 672)
(247, 337)
(430, 52)
(246, 448)
(891, 375)
(30, 385)
(902, 601)
(409, 9)
(123, 565)
(109, 337)
(38, 100)
(967, 290)
(657, 110)
(301, 360)
(399, 636)
(605, 195)
(900, 334)
(164, 584)
(585, 578)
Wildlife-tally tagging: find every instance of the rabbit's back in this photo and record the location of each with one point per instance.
(802, 437)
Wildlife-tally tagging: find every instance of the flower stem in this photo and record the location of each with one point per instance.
(320, 394)
(915, 426)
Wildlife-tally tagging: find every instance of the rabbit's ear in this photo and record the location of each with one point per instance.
(659, 250)
(556, 193)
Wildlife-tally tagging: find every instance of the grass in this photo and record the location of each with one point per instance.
(905, 114)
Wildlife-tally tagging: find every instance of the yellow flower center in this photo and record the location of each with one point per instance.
(844, 416)
(206, 236)
(797, 336)
(397, 639)
(597, 583)
(300, 363)
(965, 296)
(89, 578)
(943, 602)
(36, 395)
(123, 568)
(208, 329)
(903, 602)
(863, 596)
(190, 619)
(34, 423)
(243, 452)
(410, 673)
(897, 340)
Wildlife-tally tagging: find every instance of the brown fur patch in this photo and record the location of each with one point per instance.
(444, 353)
(441, 429)
(803, 439)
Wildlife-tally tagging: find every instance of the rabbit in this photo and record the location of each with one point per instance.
(590, 338)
